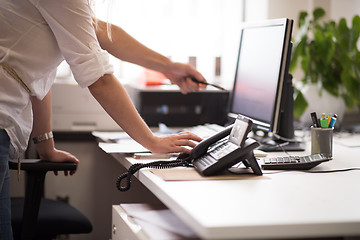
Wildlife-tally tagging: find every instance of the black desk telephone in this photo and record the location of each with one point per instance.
(212, 155)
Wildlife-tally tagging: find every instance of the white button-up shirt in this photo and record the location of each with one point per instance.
(35, 37)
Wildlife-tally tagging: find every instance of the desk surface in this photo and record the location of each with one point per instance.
(277, 205)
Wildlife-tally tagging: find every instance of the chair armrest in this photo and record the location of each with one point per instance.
(42, 165)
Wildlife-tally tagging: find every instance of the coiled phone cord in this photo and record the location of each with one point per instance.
(157, 164)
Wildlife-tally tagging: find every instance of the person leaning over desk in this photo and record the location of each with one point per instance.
(35, 37)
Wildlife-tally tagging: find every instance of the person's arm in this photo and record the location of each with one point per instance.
(109, 92)
(41, 125)
(125, 47)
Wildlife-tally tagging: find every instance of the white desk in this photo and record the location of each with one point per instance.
(280, 205)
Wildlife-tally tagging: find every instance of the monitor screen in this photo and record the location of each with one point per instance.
(260, 73)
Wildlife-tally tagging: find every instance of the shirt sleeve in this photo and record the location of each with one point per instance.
(71, 23)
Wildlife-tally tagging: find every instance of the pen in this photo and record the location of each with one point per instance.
(332, 122)
(206, 83)
(329, 119)
(314, 119)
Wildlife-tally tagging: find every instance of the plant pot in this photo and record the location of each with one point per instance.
(324, 103)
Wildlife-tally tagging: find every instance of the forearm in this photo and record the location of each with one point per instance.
(109, 92)
(42, 123)
(126, 48)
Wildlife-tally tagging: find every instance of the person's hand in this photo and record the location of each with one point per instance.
(181, 74)
(174, 143)
(60, 156)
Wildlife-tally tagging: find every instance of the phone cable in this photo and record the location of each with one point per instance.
(156, 164)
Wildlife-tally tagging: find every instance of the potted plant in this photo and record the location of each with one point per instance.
(329, 57)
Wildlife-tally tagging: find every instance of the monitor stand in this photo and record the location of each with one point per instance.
(270, 145)
(284, 140)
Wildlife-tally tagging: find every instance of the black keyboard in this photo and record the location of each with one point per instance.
(294, 162)
(205, 130)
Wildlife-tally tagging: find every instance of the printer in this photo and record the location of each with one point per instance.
(166, 104)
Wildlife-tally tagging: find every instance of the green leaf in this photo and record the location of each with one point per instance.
(356, 66)
(318, 13)
(318, 35)
(329, 27)
(302, 19)
(330, 84)
(343, 34)
(355, 32)
(297, 52)
(351, 85)
(328, 47)
(349, 102)
(300, 104)
(305, 60)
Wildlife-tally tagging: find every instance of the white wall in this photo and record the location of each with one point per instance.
(344, 8)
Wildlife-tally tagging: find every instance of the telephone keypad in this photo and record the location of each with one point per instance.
(206, 160)
(217, 153)
(223, 150)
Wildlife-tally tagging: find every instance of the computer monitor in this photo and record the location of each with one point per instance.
(262, 88)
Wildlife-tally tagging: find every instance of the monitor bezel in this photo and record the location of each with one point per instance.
(273, 124)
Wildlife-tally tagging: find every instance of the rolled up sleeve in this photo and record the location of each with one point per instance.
(71, 23)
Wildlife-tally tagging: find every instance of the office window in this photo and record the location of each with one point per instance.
(205, 29)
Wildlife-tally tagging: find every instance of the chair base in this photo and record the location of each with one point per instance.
(55, 218)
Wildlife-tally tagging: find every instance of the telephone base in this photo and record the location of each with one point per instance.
(250, 162)
(241, 169)
(244, 155)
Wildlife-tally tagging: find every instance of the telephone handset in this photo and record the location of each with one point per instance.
(218, 153)
(212, 155)
(203, 146)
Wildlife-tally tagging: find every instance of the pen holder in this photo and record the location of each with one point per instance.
(322, 141)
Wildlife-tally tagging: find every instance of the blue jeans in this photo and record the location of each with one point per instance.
(5, 206)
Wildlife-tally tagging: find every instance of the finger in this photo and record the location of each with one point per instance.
(186, 143)
(190, 136)
(55, 173)
(188, 85)
(184, 150)
(194, 86)
(184, 88)
(65, 173)
(197, 77)
(72, 172)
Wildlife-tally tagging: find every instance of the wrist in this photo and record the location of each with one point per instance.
(164, 65)
(43, 137)
(45, 148)
(46, 151)
(150, 143)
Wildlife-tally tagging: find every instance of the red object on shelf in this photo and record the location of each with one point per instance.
(153, 78)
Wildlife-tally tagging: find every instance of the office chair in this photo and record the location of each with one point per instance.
(34, 217)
